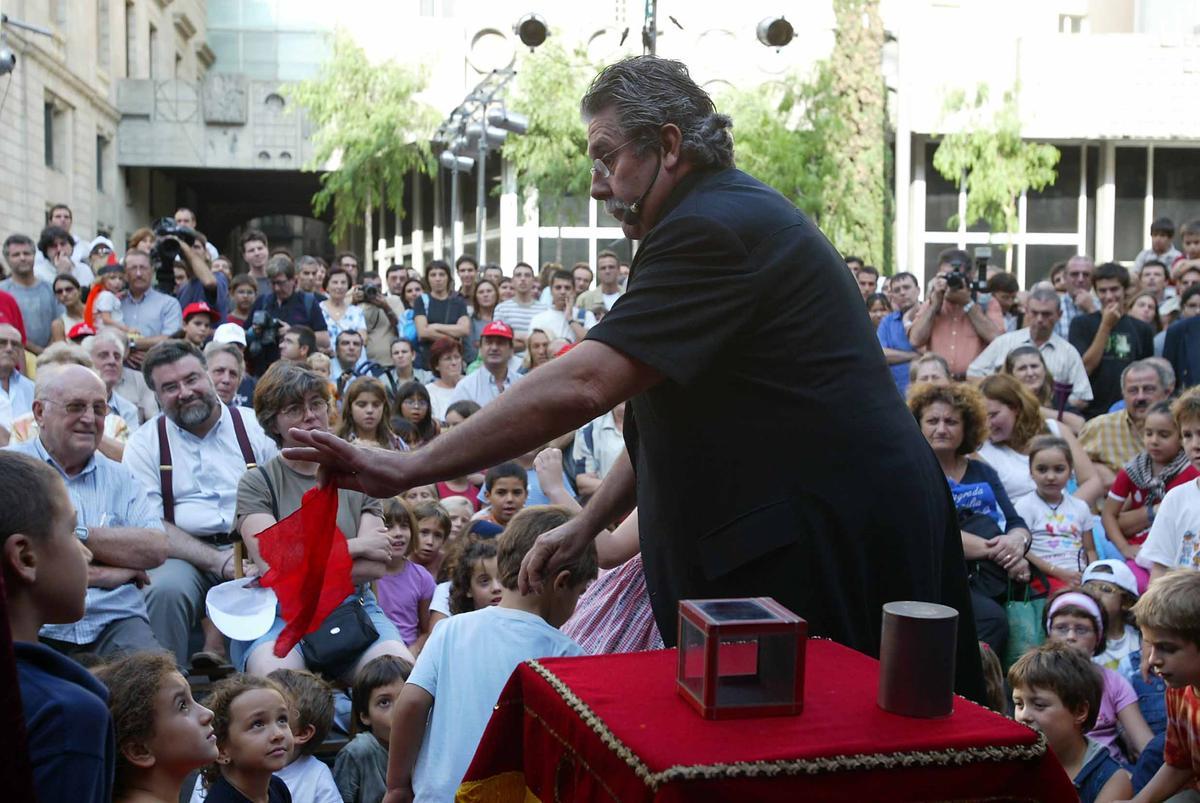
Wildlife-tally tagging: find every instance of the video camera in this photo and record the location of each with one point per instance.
(166, 251)
(264, 331)
(957, 279)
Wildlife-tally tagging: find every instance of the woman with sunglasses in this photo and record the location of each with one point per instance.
(68, 293)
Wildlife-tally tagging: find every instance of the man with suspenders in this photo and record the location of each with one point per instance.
(189, 460)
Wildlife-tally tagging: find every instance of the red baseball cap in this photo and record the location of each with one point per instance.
(80, 331)
(199, 308)
(498, 329)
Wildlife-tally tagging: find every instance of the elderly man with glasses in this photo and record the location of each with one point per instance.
(116, 522)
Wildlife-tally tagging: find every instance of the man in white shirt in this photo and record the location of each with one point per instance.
(563, 320)
(519, 310)
(1062, 360)
(15, 387)
(209, 453)
(495, 375)
(74, 256)
(606, 293)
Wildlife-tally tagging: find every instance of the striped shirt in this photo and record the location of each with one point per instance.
(518, 315)
(614, 614)
(105, 493)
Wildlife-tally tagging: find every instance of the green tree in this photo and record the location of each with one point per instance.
(822, 141)
(991, 160)
(850, 87)
(552, 155)
(368, 124)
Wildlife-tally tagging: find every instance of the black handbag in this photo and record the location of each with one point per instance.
(338, 642)
(984, 576)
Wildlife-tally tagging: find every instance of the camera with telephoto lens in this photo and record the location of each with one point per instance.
(957, 279)
(264, 331)
(370, 292)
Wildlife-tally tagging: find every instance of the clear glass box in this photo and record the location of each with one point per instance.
(741, 657)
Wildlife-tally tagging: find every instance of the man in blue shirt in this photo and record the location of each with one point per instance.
(156, 316)
(282, 309)
(115, 519)
(903, 291)
(72, 749)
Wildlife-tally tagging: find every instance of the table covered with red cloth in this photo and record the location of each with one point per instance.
(612, 727)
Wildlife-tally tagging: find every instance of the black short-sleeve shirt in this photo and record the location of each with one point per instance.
(777, 457)
(1130, 340)
(440, 310)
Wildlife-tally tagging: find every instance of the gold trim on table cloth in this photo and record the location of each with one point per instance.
(771, 769)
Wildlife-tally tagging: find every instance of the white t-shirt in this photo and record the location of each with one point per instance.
(1057, 530)
(1174, 539)
(441, 599)
(1116, 650)
(307, 778)
(464, 666)
(555, 324)
(1013, 468)
(611, 298)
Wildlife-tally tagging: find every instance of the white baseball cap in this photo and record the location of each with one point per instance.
(1112, 571)
(230, 333)
(240, 610)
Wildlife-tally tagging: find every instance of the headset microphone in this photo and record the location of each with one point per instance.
(633, 213)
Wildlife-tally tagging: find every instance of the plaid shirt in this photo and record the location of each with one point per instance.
(1112, 438)
(105, 491)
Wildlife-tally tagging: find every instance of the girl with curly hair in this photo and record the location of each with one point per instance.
(163, 734)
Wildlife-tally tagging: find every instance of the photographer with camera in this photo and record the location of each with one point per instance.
(155, 315)
(381, 313)
(202, 284)
(276, 312)
(951, 324)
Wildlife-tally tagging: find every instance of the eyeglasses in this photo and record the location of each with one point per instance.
(1103, 587)
(58, 291)
(1078, 630)
(99, 409)
(601, 167)
(315, 406)
(413, 401)
(6, 343)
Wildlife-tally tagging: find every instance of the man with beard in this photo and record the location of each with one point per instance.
(208, 446)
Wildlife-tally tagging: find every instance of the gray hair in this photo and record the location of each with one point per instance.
(214, 348)
(647, 93)
(1166, 375)
(63, 353)
(1041, 293)
(113, 336)
(280, 264)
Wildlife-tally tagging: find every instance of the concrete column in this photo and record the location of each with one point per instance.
(916, 211)
(509, 225)
(418, 227)
(1081, 210)
(903, 169)
(1106, 202)
(530, 246)
(1148, 208)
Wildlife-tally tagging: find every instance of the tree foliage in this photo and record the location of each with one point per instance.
(992, 160)
(821, 141)
(552, 155)
(370, 125)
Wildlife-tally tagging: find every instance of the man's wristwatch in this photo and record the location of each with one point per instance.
(968, 307)
(82, 534)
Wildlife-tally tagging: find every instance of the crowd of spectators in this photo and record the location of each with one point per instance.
(144, 418)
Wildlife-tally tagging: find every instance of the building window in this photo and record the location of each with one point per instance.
(153, 50)
(48, 116)
(101, 161)
(1072, 23)
(102, 33)
(130, 39)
